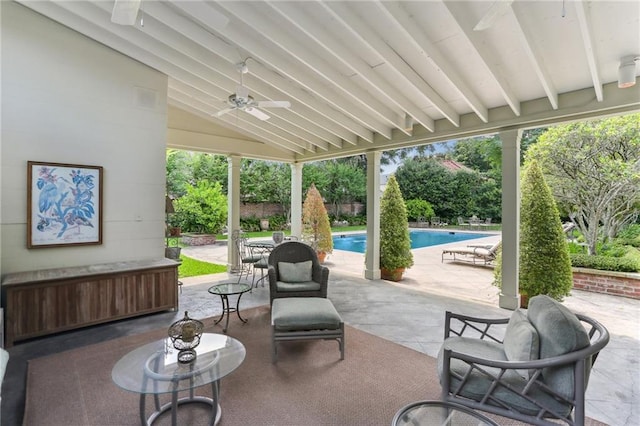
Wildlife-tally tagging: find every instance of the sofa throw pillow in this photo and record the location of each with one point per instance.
(521, 341)
(295, 272)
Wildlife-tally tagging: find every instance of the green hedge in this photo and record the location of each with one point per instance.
(628, 242)
(603, 263)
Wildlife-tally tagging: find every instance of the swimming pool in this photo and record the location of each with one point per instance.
(419, 239)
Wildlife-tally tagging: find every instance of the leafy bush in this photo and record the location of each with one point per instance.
(277, 222)
(250, 224)
(419, 209)
(202, 209)
(604, 263)
(631, 232)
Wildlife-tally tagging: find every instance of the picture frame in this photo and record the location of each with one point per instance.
(64, 204)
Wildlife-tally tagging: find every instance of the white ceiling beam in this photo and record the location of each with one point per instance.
(537, 61)
(584, 21)
(348, 121)
(333, 93)
(312, 27)
(396, 14)
(458, 11)
(342, 13)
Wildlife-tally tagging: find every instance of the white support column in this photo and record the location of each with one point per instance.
(296, 199)
(233, 208)
(509, 296)
(372, 255)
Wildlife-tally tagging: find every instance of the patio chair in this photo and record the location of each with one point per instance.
(462, 223)
(246, 257)
(533, 367)
(473, 253)
(294, 271)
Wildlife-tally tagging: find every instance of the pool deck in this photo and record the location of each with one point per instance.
(411, 313)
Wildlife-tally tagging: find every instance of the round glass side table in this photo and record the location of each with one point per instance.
(434, 413)
(224, 290)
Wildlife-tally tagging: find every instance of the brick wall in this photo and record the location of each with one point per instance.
(607, 282)
(261, 210)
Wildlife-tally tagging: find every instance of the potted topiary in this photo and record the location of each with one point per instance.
(395, 244)
(316, 230)
(545, 266)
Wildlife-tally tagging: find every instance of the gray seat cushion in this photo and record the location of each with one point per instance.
(521, 341)
(300, 286)
(560, 332)
(477, 385)
(304, 313)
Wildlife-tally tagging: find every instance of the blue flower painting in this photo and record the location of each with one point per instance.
(64, 204)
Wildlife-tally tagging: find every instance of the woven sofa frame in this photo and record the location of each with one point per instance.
(494, 371)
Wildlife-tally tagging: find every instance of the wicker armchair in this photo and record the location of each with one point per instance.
(530, 367)
(291, 276)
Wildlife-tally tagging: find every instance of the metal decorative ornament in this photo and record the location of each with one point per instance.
(185, 335)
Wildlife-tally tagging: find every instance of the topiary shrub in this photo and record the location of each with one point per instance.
(316, 229)
(395, 244)
(545, 267)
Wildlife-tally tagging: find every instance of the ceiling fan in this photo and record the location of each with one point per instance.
(242, 101)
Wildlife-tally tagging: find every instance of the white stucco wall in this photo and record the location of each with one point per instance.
(68, 99)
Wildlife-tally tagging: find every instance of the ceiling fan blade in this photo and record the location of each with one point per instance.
(224, 111)
(125, 12)
(497, 9)
(257, 113)
(274, 104)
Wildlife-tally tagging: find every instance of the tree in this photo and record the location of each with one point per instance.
(593, 168)
(395, 244)
(419, 209)
(202, 209)
(316, 229)
(346, 184)
(545, 267)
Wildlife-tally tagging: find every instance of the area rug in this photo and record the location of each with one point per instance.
(309, 385)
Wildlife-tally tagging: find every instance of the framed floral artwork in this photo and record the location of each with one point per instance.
(64, 204)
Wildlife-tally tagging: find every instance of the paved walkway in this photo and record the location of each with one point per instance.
(412, 313)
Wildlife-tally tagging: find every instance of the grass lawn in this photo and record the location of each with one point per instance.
(192, 267)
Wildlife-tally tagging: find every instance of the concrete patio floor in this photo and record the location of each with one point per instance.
(411, 313)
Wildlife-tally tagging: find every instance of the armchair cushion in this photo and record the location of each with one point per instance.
(282, 286)
(560, 333)
(521, 341)
(295, 272)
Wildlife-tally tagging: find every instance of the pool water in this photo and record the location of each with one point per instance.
(419, 239)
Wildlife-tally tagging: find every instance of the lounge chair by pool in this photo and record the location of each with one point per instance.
(473, 253)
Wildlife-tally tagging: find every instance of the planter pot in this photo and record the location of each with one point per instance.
(524, 301)
(172, 252)
(391, 275)
(322, 255)
(264, 224)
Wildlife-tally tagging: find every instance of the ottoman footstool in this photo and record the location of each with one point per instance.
(305, 318)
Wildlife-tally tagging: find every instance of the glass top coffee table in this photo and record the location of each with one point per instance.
(224, 290)
(436, 413)
(154, 369)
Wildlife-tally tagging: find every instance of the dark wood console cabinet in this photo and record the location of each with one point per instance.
(38, 303)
